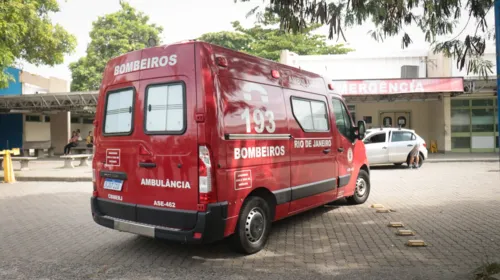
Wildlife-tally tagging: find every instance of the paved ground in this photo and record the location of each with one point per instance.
(46, 232)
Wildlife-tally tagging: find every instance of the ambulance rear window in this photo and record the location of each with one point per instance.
(165, 111)
(118, 112)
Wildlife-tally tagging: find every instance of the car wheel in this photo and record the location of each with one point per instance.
(254, 226)
(362, 190)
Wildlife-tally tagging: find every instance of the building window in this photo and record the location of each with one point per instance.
(33, 118)
(47, 118)
(118, 112)
(482, 102)
(460, 120)
(165, 109)
(483, 120)
(75, 120)
(88, 121)
(387, 121)
(460, 142)
(459, 103)
(310, 114)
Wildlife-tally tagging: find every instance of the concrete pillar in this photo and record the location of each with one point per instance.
(447, 122)
(60, 131)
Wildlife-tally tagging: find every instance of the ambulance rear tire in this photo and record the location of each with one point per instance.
(362, 190)
(253, 227)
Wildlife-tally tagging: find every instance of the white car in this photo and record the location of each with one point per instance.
(392, 145)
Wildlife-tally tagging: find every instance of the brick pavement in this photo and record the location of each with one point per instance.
(46, 230)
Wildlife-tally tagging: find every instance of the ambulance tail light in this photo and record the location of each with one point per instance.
(206, 190)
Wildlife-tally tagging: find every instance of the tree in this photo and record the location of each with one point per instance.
(265, 40)
(27, 33)
(112, 35)
(390, 17)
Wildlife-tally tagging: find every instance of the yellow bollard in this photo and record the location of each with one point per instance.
(434, 147)
(8, 168)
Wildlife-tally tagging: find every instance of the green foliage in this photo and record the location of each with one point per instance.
(112, 35)
(390, 17)
(27, 33)
(265, 40)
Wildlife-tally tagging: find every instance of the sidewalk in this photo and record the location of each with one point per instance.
(463, 157)
(50, 169)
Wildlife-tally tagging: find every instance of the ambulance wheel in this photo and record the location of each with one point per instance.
(362, 190)
(254, 225)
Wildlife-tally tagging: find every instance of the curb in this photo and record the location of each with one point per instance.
(461, 160)
(50, 179)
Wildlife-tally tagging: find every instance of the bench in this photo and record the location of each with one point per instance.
(37, 146)
(68, 160)
(24, 162)
(82, 148)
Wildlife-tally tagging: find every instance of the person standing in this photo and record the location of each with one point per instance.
(415, 155)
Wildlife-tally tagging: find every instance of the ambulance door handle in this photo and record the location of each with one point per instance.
(341, 150)
(147, 164)
(409, 145)
(326, 151)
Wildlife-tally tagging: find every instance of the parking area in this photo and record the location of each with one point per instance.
(46, 231)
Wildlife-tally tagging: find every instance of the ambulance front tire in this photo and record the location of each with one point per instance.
(253, 227)
(362, 189)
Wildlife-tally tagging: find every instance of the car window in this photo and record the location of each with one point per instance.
(377, 138)
(342, 118)
(401, 136)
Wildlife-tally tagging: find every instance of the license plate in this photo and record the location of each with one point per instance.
(113, 184)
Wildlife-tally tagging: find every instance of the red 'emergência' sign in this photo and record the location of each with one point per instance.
(398, 86)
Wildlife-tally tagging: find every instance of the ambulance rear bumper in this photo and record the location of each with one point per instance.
(209, 226)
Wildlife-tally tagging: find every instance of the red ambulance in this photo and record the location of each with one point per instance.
(195, 143)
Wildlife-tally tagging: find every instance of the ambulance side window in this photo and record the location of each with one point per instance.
(165, 111)
(310, 114)
(118, 112)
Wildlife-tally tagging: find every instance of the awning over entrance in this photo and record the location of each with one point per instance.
(397, 89)
(81, 102)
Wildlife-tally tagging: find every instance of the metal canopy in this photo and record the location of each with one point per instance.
(76, 102)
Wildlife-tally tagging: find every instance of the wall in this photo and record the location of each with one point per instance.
(358, 65)
(420, 118)
(437, 124)
(33, 83)
(60, 130)
(36, 131)
(14, 87)
(438, 65)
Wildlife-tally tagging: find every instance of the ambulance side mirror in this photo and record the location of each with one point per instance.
(361, 129)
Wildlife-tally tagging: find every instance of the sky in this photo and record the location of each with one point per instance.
(188, 19)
